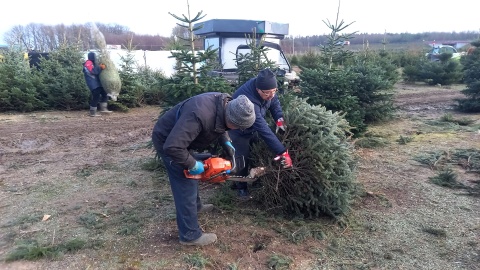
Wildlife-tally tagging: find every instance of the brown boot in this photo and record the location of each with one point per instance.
(205, 239)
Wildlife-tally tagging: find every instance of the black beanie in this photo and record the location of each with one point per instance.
(266, 80)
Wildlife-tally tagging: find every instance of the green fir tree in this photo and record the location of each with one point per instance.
(18, 84)
(471, 74)
(64, 85)
(249, 64)
(358, 85)
(132, 92)
(192, 72)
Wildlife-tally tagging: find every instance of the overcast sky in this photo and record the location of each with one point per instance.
(304, 17)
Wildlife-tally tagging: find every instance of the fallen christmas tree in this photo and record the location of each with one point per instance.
(109, 77)
(322, 180)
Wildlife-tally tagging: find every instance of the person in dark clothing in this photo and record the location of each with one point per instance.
(92, 77)
(193, 125)
(262, 92)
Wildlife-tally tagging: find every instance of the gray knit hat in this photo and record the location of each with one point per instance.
(266, 80)
(240, 112)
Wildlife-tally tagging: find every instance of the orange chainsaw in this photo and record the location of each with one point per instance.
(218, 170)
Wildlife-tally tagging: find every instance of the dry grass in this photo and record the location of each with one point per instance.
(97, 180)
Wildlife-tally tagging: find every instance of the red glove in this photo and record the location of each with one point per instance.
(285, 160)
(280, 125)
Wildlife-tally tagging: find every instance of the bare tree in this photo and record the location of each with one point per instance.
(47, 38)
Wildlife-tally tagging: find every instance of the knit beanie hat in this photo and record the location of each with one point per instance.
(240, 112)
(266, 80)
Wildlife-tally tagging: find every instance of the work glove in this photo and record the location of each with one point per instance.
(102, 66)
(197, 168)
(229, 149)
(280, 125)
(284, 159)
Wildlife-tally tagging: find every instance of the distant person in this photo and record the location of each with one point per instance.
(262, 93)
(92, 77)
(193, 125)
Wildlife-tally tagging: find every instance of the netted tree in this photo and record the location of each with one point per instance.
(109, 77)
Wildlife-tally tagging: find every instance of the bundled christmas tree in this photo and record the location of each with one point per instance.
(322, 180)
(109, 77)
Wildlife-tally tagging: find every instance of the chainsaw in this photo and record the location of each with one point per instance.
(218, 170)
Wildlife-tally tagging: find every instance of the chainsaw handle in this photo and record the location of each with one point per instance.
(216, 170)
(202, 156)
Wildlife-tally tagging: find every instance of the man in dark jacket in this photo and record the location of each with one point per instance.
(262, 92)
(194, 124)
(92, 77)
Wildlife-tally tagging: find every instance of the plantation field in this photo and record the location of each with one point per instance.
(78, 192)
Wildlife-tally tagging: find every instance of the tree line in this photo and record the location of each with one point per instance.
(47, 38)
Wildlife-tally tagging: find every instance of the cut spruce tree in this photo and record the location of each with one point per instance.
(109, 77)
(322, 181)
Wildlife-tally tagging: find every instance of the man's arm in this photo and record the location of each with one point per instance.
(266, 133)
(185, 131)
(276, 109)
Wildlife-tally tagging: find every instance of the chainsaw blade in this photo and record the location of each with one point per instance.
(241, 179)
(252, 176)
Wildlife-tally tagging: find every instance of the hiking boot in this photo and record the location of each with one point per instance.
(205, 239)
(103, 107)
(93, 112)
(205, 208)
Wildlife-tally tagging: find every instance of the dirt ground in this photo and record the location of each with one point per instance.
(88, 175)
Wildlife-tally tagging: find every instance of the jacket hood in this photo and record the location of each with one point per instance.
(91, 56)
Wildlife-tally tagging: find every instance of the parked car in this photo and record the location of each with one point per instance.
(436, 51)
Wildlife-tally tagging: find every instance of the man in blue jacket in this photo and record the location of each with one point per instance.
(194, 124)
(262, 93)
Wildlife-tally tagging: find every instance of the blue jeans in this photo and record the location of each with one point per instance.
(187, 201)
(242, 143)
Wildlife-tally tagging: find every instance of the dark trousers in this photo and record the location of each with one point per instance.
(241, 142)
(187, 201)
(98, 95)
